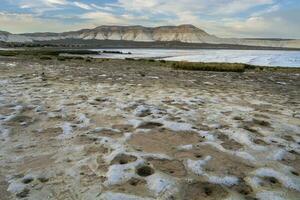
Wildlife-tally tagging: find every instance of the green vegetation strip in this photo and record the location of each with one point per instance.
(220, 67)
(44, 52)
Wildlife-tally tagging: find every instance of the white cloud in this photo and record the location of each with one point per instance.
(41, 3)
(277, 25)
(237, 6)
(46, 5)
(212, 7)
(27, 23)
(105, 18)
(105, 8)
(41, 6)
(261, 18)
(82, 5)
(53, 2)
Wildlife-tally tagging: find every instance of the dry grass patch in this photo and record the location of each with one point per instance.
(221, 67)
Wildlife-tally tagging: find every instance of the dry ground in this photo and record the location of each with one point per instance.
(134, 130)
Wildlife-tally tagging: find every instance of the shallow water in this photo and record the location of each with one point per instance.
(254, 57)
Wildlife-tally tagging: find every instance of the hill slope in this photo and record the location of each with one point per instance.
(182, 33)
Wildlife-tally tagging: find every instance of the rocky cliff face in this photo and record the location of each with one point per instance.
(182, 33)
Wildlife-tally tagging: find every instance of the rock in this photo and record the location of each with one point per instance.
(142, 111)
(19, 189)
(23, 194)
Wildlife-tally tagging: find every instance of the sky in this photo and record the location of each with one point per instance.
(224, 18)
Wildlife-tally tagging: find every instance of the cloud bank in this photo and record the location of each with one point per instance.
(225, 18)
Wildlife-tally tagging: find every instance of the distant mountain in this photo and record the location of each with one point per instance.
(182, 33)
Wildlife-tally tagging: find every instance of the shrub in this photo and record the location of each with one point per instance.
(221, 67)
(78, 58)
(88, 59)
(8, 53)
(61, 58)
(45, 58)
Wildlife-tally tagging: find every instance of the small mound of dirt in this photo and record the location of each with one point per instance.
(288, 138)
(203, 190)
(220, 163)
(110, 133)
(23, 194)
(162, 141)
(261, 122)
(123, 127)
(20, 119)
(242, 188)
(134, 186)
(229, 143)
(88, 176)
(136, 182)
(51, 132)
(238, 118)
(149, 125)
(123, 159)
(295, 173)
(260, 142)
(232, 145)
(95, 149)
(170, 167)
(272, 181)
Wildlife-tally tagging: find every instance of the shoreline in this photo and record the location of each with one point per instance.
(89, 54)
(113, 44)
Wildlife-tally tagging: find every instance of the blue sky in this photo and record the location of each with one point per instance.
(226, 18)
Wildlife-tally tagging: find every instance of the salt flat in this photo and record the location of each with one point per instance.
(128, 130)
(253, 57)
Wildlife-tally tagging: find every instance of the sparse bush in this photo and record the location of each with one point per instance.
(88, 59)
(221, 67)
(45, 58)
(8, 53)
(61, 58)
(131, 59)
(78, 58)
(44, 52)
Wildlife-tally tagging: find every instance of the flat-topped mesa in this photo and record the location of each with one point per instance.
(186, 33)
(182, 33)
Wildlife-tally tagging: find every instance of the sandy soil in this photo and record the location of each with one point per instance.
(132, 130)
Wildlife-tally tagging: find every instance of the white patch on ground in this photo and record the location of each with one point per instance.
(83, 120)
(185, 147)
(196, 165)
(120, 196)
(176, 126)
(271, 195)
(99, 129)
(287, 181)
(118, 174)
(67, 131)
(227, 180)
(160, 184)
(16, 187)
